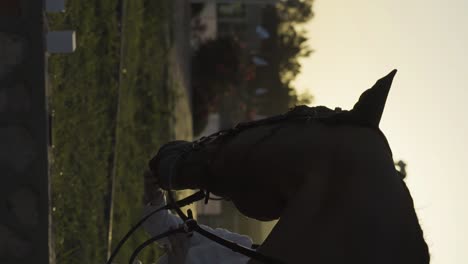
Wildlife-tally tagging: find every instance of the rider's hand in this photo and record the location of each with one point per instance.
(152, 191)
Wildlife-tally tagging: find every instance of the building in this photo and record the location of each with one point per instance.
(241, 19)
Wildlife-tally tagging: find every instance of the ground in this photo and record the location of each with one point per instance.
(115, 100)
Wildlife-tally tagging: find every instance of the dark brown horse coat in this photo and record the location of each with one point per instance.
(327, 175)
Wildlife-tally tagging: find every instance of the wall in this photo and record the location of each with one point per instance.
(24, 188)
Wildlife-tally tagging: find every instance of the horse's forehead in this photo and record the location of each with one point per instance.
(310, 132)
(358, 137)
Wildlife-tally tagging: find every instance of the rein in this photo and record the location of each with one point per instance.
(184, 202)
(190, 225)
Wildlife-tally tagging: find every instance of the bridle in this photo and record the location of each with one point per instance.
(298, 113)
(190, 225)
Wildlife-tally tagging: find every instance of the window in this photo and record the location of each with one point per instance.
(234, 10)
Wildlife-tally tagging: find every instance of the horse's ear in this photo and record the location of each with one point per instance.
(371, 104)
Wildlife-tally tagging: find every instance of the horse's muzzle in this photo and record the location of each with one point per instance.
(164, 165)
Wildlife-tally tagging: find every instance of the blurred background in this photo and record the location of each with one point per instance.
(145, 72)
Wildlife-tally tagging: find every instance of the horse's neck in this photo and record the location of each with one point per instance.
(344, 201)
(360, 213)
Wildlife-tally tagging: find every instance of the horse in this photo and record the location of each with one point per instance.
(327, 175)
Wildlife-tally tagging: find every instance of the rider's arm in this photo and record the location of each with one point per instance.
(153, 199)
(201, 248)
(161, 221)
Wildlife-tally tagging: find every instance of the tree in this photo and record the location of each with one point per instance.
(215, 66)
(295, 11)
(292, 41)
(283, 50)
(223, 63)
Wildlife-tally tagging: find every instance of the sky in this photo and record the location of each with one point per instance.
(357, 42)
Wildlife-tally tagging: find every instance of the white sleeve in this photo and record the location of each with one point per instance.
(161, 221)
(202, 249)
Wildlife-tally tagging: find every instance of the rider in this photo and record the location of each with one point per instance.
(183, 248)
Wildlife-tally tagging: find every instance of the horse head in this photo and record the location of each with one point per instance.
(331, 170)
(234, 166)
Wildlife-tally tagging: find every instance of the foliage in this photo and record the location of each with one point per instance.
(144, 113)
(295, 11)
(216, 65)
(217, 61)
(283, 50)
(84, 88)
(286, 45)
(82, 130)
(292, 41)
(304, 98)
(196, 8)
(293, 46)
